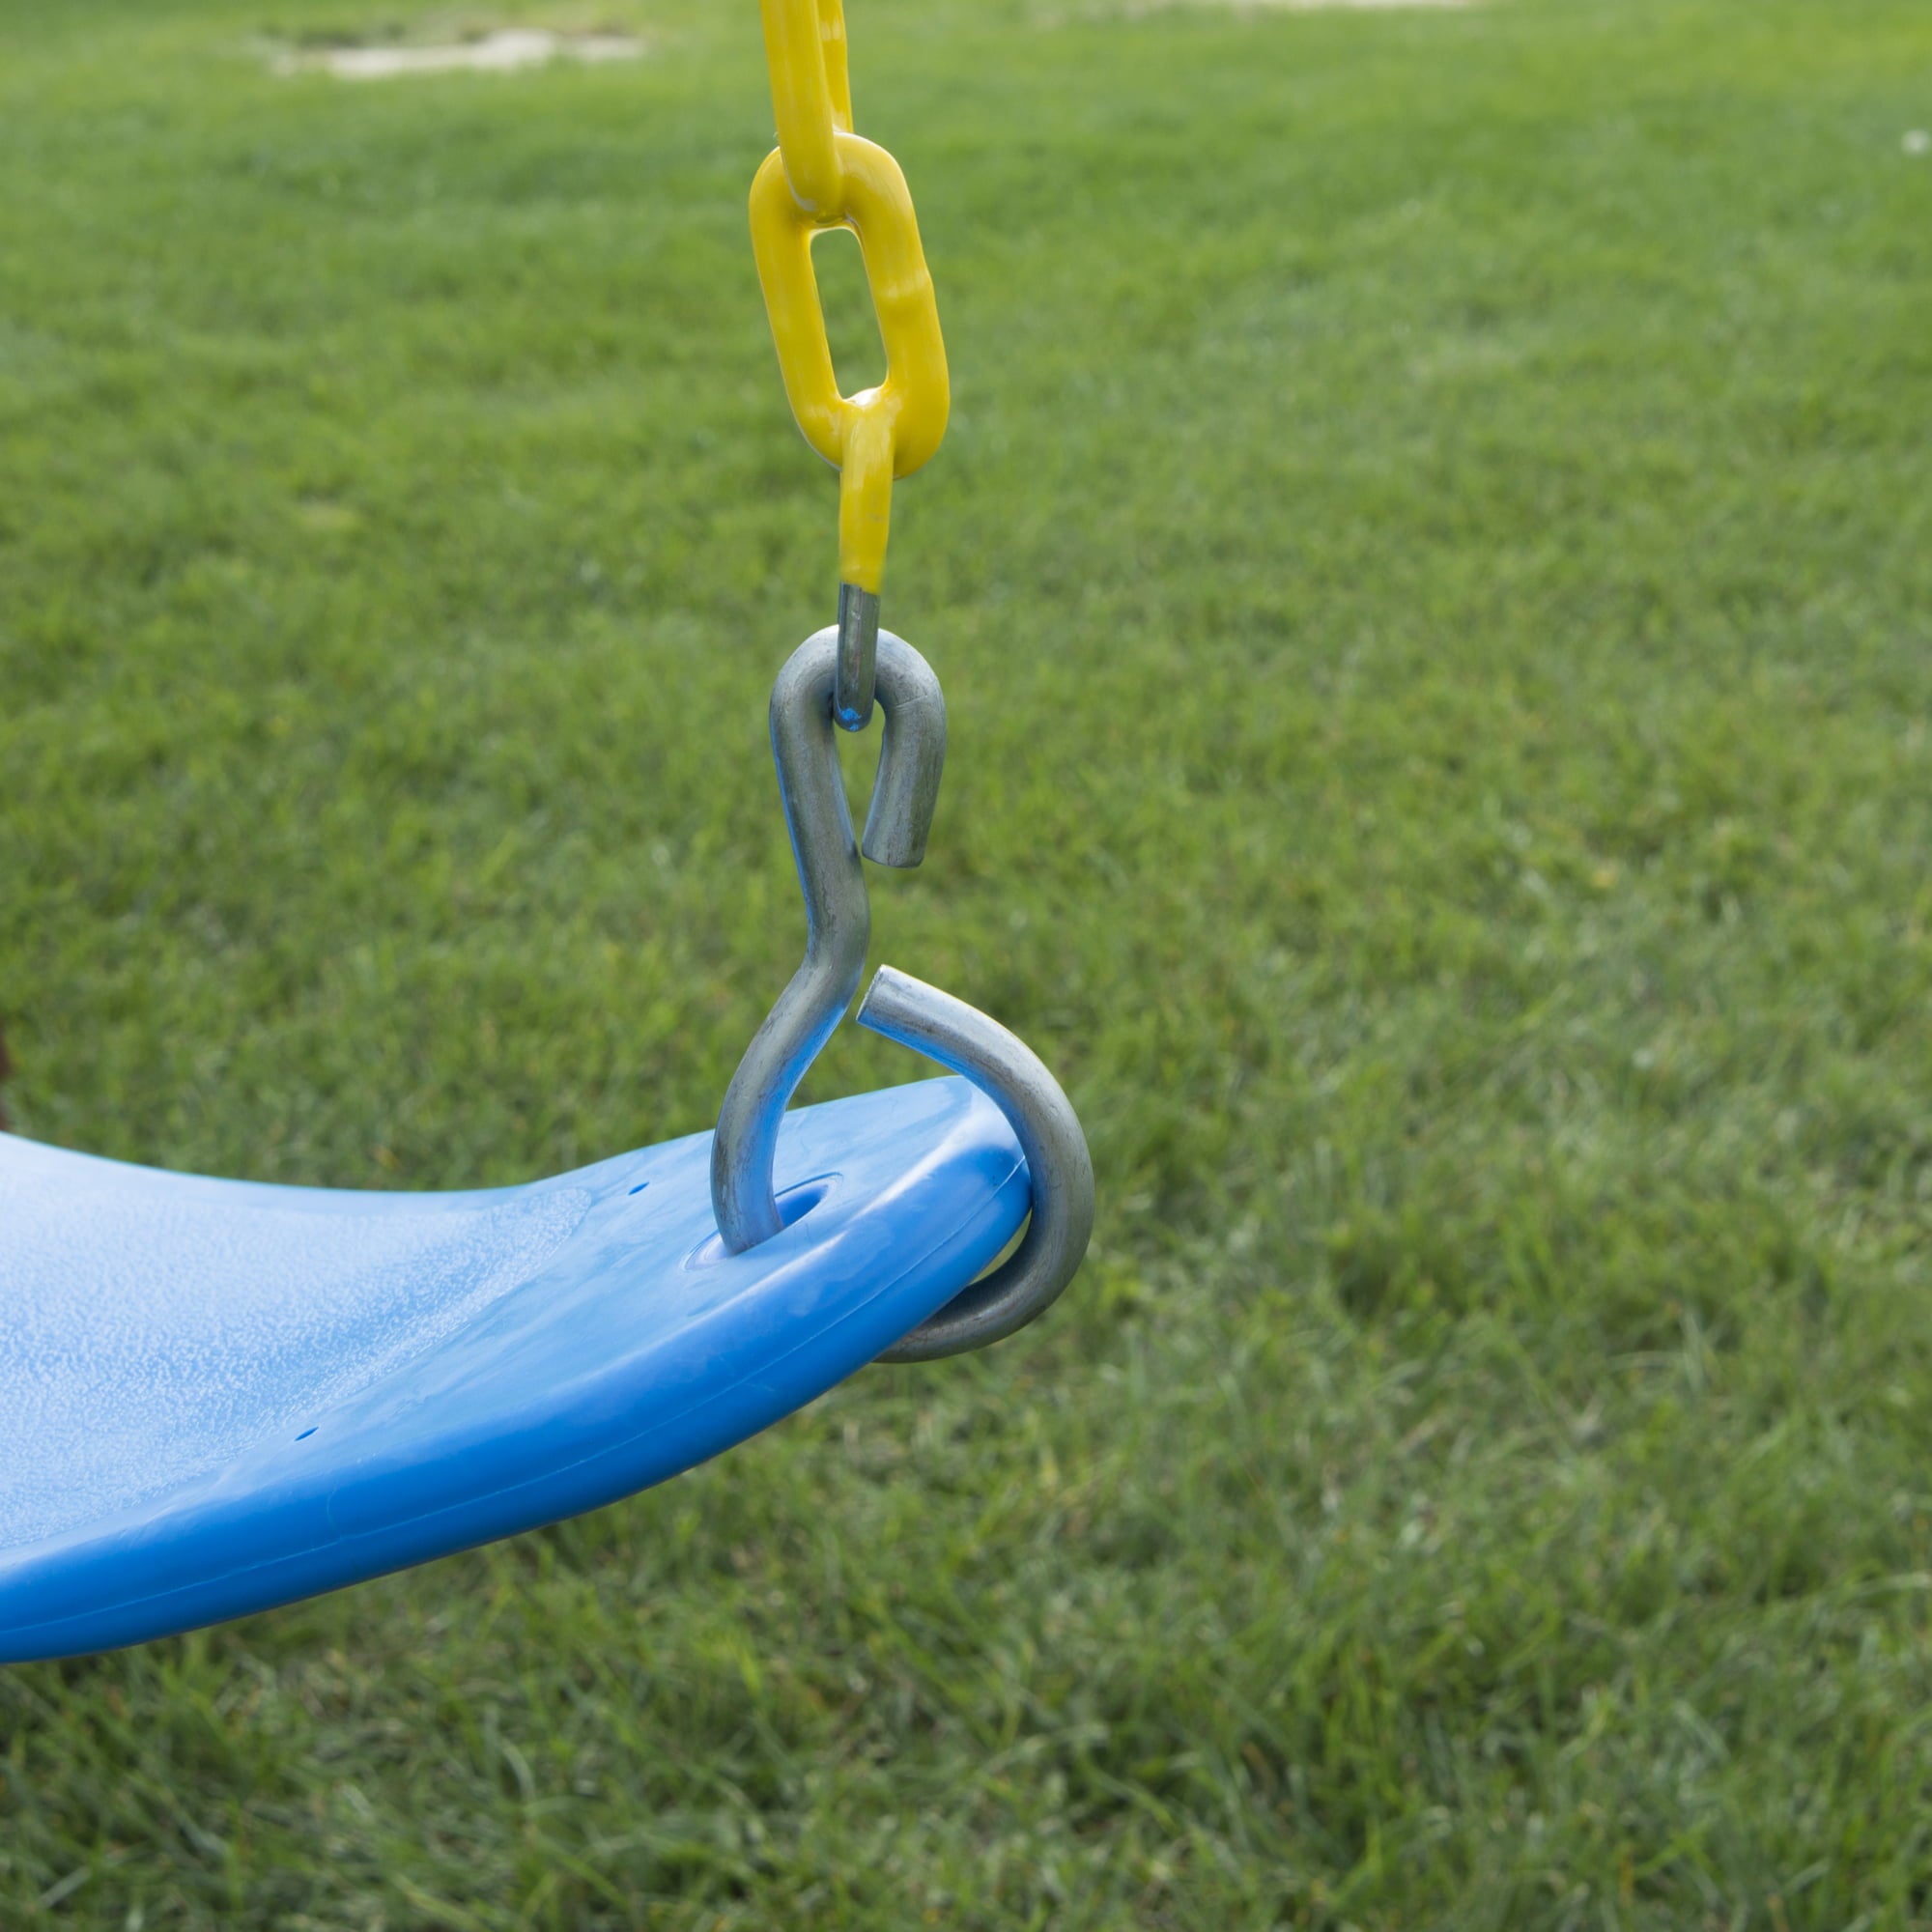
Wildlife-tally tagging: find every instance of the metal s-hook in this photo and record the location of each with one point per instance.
(839, 929)
(839, 921)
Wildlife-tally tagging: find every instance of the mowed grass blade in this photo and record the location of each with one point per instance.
(1431, 571)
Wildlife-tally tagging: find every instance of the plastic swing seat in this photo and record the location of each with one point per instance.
(218, 1396)
(222, 1395)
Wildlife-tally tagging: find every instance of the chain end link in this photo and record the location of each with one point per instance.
(858, 672)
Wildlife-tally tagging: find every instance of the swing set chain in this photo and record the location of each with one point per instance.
(822, 175)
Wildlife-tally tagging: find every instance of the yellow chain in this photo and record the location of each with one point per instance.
(822, 175)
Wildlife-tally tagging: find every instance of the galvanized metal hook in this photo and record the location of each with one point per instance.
(839, 921)
(838, 930)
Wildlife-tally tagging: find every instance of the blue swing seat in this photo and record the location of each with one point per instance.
(221, 1396)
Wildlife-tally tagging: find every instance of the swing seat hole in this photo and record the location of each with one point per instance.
(794, 1205)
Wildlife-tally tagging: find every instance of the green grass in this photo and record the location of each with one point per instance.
(1432, 572)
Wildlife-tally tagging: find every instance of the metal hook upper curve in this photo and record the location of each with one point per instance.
(837, 911)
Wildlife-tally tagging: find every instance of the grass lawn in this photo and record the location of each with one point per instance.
(1432, 572)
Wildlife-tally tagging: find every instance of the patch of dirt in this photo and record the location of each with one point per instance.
(1139, 9)
(509, 51)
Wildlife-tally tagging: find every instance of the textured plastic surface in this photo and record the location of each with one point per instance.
(216, 1397)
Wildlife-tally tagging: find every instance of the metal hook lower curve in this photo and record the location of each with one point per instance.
(1010, 1074)
(837, 911)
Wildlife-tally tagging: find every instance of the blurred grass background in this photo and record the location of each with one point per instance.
(1432, 573)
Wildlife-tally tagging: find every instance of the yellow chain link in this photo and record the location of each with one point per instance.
(823, 176)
